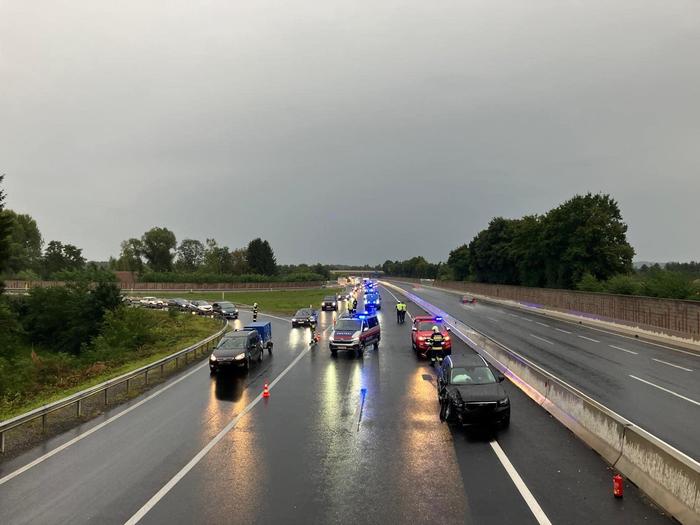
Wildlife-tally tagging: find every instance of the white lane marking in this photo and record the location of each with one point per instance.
(623, 349)
(588, 339)
(564, 331)
(537, 511)
(665, 389)
(94, 429)
(494, 320)
(513, 315)
(542, 324)
(200, 455)
(525, 319)
(542, 339)
(671, 364)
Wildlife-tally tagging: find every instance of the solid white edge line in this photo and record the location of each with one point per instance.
(623, 349)
(671, 364)
(94, 429)
(665, 389)
(202, 453)
(530, 500)
(542, 339)
(588, 339)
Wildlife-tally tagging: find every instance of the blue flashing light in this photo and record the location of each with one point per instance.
(439, 319)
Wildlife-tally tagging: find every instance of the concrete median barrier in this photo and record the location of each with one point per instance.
(665, 474)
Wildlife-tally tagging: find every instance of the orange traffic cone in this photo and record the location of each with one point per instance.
(266, 391)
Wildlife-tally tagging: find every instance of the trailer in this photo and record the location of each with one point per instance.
(264, 328)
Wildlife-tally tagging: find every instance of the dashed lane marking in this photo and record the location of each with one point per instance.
(671, 364)
(542, 339)
(665, 390)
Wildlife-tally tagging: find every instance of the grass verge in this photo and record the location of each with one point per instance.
(49, 377)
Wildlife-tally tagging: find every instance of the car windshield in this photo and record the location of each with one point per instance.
(201, 303)
(474, 375)
(225, 305)
(305, 312)
(426, 326)
(232, 343)
(329, 298)
(352, 325)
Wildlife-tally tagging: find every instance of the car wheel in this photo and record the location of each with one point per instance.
(334, 352)
(212, 371)
(449, 412)
(376, 345)
(505, 423)
(360, 350)
(247, 364)
(260, 356)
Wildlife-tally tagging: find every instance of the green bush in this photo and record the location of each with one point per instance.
(673, 285)
(589, 283)
(622, 284)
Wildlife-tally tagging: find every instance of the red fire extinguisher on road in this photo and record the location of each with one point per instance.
(618, 486)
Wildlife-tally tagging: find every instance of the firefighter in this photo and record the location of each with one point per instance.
(436, 342)
(255, 312)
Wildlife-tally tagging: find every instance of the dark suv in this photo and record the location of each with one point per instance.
(355, 332)
(470, 393)
(329, 303)
(236, 350)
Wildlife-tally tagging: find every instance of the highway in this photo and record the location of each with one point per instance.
(340, 440)
(655, 386)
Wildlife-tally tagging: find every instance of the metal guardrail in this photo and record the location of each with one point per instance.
(668, 476)
(77, 399)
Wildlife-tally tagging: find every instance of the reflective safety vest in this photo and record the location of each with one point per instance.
(400, 307)
(437, 340)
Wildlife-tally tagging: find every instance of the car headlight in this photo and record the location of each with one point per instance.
(333, 304)
(240, 356)
(504, 402)
(421, 338)
(212, 357)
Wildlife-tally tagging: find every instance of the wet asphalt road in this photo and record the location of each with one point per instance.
(340, 440)
(600, 364)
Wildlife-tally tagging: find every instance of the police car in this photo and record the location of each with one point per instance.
(355, 332)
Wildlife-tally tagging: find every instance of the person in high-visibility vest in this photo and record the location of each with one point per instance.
(255, 312)
(400, 312)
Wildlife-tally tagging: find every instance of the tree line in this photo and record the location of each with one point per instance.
(581, 244)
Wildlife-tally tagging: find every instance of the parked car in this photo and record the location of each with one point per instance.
(225, 309)
(149, 302)
(355, 332)
(468, 299)
(469, 393)
(305, 317)
(201, 307)
(178, 304)
(236, 350)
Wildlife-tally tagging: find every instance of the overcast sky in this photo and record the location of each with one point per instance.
(348, 131)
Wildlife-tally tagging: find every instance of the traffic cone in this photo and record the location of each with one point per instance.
(266, 391)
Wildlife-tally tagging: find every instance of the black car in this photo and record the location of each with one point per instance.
(225, 309)
(236, 350)
(178, 304)
(305, 317)
(330, 302)
(469, 393)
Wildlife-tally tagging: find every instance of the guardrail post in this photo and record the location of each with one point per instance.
(161, 370)
(43, 423)
(127, 386)
(146, 377)
(177, 363)
(105, 397)
(2, 442)
(79, 408)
